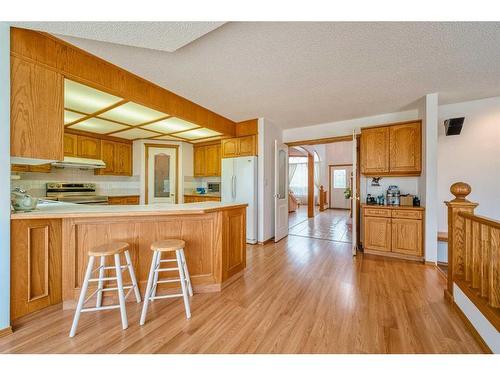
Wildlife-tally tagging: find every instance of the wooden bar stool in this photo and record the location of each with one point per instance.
(111, 249)
(158, 248)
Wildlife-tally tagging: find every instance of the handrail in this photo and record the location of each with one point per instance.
(473, 254)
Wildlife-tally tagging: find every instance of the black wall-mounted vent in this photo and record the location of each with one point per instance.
(453, 126)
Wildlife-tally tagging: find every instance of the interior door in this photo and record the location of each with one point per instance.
(354, 194)
(340, 180)
(162, 175)
(280, 191)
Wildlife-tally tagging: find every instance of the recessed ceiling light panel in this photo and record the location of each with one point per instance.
(132, 114)
(171, 125)
(85, 99)
(71, 116)
(135, 133)
(198, 133)
(95, 125)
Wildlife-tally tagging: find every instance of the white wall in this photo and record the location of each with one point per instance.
(4, 175)
(185, 164)
(268, 133)
(472, 157)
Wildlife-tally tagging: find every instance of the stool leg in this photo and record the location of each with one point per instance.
(81, 300)
(155, 282)
(121, 294)
(183, 284)
(132, 277)
(147, 295)
(186, 273)
(100, 284)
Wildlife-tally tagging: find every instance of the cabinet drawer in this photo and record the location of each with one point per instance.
(379, 212)
(407, 214)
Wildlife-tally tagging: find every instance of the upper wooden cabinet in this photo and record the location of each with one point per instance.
(117, 156)
(70, 145)
(207, 160)
(241, 146)
(89, 147)
(37, 118)
(393, 150)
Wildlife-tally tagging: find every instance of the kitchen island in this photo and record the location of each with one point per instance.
(50, 245)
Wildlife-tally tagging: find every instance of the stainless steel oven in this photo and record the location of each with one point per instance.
(80, 193)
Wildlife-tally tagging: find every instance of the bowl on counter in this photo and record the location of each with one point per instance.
(22, 202)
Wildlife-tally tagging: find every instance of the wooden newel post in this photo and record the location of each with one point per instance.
(456, 233)
(322, 198)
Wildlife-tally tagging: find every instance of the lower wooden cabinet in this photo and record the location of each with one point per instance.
(393, 231)
(195, 198)
(129, 199)
(35, 265)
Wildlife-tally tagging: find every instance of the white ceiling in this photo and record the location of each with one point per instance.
(162, 36)
(306, 73)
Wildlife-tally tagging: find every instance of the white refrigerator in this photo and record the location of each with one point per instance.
(239, 184)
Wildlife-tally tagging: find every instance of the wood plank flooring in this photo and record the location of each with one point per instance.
(300, 295)
(331, 224)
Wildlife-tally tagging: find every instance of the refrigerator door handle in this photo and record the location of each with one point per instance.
(233, 187)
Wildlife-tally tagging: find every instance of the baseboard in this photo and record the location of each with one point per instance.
(6, 331)
(484, 347)
(390, 254)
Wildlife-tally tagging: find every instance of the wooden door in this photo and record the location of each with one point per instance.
(108, 156)
(89, 147)
(406, 148)
(375, 150)
(123, 159)
(230, 147)
(212, 160)
(377, 233)
(70, 145)
(37, 117)
(35, 265)
(247, 146)
(407, 236)
(199, 160)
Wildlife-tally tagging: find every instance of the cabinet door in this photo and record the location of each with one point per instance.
(35, 265)
(188, 199)
(108, 156)
(405, 148)
(199, 160)
(247, 146)
(133, 199)
(212, 160)
(407, 236)
(123, 159)
(89, 147)
(37, 101)
(375, 151)
(42, 168)
(377, 233)
(230, 147)
(70, 145)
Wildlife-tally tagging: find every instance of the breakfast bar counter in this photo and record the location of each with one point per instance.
(49, 255)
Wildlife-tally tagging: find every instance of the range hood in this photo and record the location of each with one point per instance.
(81, 163)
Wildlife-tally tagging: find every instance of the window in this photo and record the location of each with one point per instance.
(298, 176)
(339, 179)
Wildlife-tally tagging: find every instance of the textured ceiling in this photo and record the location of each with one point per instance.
(299, 74)
(162, 36)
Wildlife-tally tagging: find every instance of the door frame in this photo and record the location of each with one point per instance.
(330, 166)
(147, 146)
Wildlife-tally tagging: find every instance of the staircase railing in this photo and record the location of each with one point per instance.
(473, 254)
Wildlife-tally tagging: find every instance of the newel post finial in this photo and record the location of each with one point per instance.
(460, 190)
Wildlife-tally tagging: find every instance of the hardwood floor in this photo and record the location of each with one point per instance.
(331, 224)
(300, 295)
(298, 216)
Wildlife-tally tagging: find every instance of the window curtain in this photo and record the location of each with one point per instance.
(291, 171)
(298, 180)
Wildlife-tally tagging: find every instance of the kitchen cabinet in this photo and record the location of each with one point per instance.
(89, 147)
(108, 157)
(207, 160)
(240, 146)
(117, 156)
(70, 145)
(393, 150)
(129, 199)
(394, 231)
(36, 253)
(37, 118)
(200, 198)
(42, 168)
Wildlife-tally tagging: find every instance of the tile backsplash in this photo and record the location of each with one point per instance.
(34, 183)
(191, 183)
(407, 185)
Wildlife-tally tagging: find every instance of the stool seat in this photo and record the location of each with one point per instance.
(168, 245)
(109, 249)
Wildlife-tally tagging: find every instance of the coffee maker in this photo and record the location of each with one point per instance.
(393, 196)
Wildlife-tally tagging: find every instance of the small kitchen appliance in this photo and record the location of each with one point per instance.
(80, 193)
(393, 195)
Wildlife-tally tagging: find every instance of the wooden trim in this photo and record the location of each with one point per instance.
(97, 113)
(83, 67)
(310, 185)
(208, 143)
(340, 165)
(443, 236)
(484, 347)
(6, 331)
(30, 298)
(248, 127)
(147, 146)
(480, 219)
(393, 124)
(317, 141)
(96, 135)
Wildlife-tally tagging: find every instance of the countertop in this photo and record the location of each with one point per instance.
(70, 210)
(364, 205)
